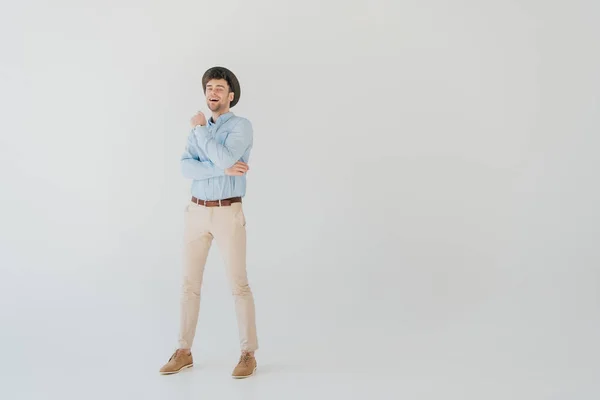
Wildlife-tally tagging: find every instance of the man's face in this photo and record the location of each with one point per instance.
(218, 95)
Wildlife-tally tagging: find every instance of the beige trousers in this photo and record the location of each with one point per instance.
(227, 225)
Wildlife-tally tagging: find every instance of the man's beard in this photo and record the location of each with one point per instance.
(215, 107)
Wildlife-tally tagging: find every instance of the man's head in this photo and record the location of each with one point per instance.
(221, 88)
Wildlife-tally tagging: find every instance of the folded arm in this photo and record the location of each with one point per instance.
(192, 168)
(227, 154)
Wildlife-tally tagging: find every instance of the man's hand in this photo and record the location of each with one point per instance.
(238, 169)
(198, 119)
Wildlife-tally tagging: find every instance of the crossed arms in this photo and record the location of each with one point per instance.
(224, 158)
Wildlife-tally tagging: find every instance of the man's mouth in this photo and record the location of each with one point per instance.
(213, 99)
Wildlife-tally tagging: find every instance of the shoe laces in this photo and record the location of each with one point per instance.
(176, 355)
(245, 358)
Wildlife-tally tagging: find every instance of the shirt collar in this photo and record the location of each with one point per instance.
(222, 119)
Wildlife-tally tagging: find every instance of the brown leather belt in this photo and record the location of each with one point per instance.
(217, 203)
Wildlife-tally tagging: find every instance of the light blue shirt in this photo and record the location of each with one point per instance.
(213, 148)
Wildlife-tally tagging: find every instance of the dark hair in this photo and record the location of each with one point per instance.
(217, 74)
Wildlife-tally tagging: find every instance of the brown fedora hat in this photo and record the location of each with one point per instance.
(227, 75)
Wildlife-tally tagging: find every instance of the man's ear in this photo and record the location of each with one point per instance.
(231, 96)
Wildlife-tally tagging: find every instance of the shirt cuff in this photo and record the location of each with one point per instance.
(201, 133)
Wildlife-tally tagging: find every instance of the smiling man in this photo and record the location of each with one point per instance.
(216, 159)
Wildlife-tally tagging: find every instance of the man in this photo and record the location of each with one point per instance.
(216, 158)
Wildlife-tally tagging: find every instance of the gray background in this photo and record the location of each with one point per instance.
(422, 204)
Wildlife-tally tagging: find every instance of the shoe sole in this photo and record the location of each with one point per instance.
(179, 370)
(245, 376)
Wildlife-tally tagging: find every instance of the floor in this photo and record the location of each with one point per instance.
(442, 370)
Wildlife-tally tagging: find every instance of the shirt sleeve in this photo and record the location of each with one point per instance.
(193, 168)
(225, 155)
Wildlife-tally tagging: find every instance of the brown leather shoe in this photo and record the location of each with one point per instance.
(180, 360)
(245, 367)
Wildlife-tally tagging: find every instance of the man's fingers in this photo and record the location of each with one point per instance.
(239, 168)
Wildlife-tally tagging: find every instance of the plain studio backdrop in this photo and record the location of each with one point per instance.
(422, 203)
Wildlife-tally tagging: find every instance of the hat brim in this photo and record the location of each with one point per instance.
(235, 84)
